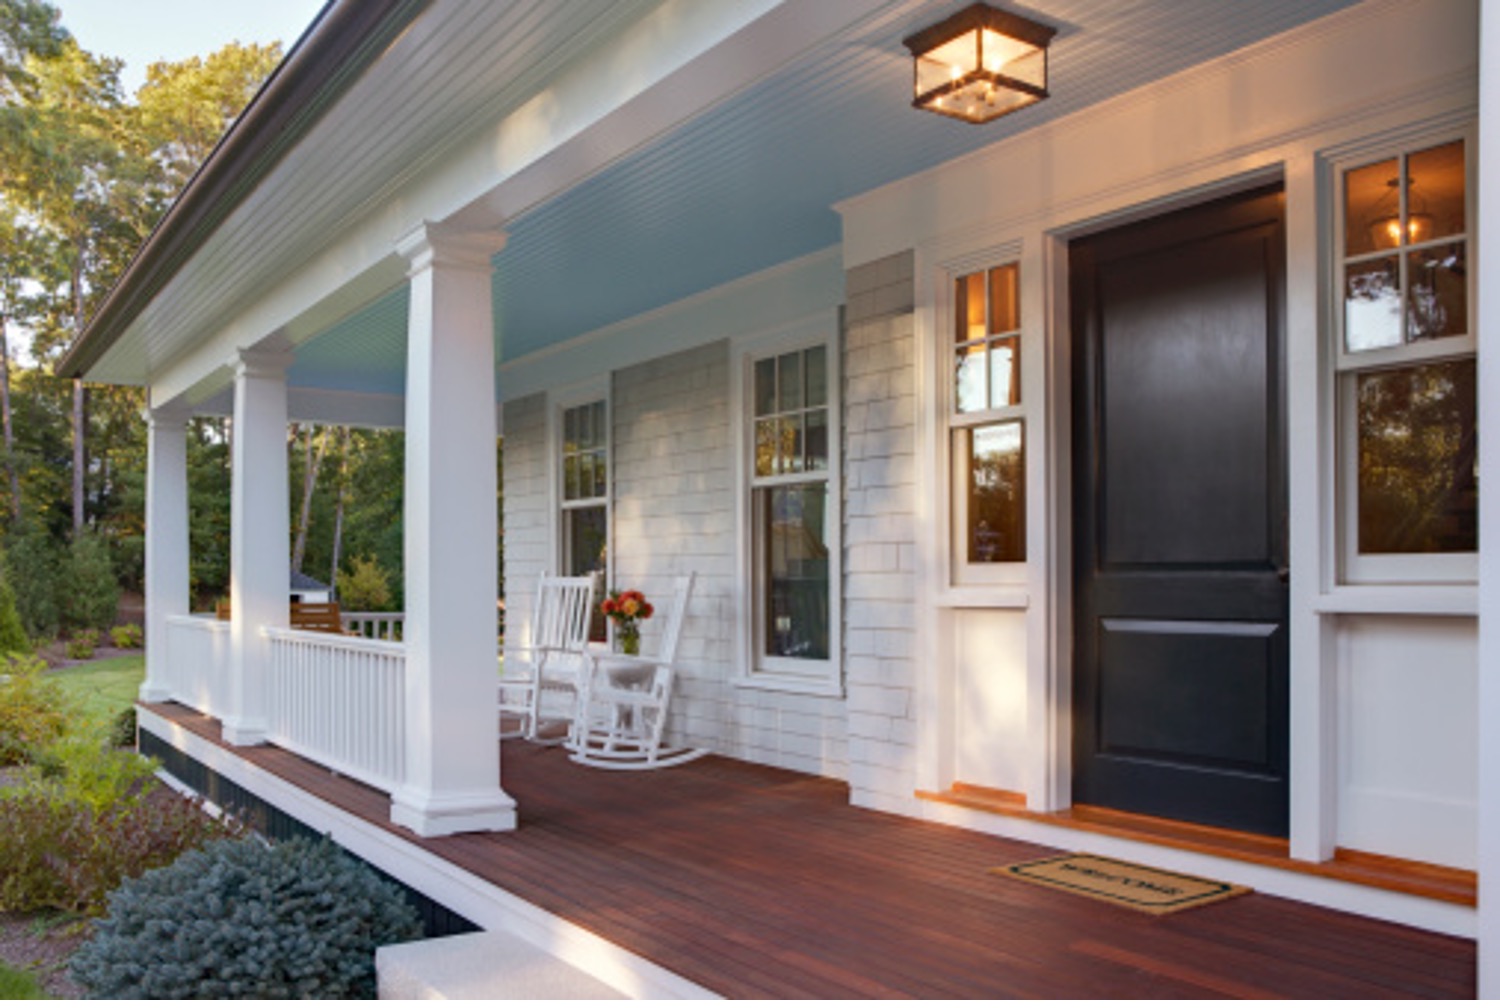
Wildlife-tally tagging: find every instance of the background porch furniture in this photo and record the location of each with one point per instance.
(539, 682)
(322, 617)
(623, 710)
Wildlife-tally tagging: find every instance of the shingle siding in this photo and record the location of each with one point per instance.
(880, 532)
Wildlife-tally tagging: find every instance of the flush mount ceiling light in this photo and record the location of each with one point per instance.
(980, 64)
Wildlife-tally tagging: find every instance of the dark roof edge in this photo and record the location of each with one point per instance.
(346, 37)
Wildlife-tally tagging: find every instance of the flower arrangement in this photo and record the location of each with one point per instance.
(626, 609)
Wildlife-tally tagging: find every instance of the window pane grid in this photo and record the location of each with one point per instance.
(987, 351)
(585, 454)
(791, 413)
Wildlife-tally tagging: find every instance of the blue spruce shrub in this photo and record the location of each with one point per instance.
(239, 919)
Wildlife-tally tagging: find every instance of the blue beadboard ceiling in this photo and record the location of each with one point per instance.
(751, 184)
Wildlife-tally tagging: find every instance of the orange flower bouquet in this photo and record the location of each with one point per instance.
(626, 609)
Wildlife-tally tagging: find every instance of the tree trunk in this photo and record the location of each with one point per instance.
(310, 466)
(12, 475)
(338, 510)
(79, 432)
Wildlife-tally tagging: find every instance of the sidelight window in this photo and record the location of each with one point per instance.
(1406, 368)
(986, 422)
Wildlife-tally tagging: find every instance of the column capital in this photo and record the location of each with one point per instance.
(167, 417)
(430, 245)
(258, 362)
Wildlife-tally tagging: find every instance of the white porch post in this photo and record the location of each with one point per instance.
(166, 542)
(452, 770)
(259, 535)
(1489, 505)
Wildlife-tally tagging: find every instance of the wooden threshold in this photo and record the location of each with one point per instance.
(1414, 878)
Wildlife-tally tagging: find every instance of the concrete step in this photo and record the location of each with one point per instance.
(480, 965)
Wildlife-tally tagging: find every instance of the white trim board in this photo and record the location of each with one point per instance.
(482, 902)
(1382, 904)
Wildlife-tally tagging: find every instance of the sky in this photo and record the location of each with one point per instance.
(142, 32)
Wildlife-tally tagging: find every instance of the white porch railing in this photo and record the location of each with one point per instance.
(388, 626)
(339, 701)
(198, 662)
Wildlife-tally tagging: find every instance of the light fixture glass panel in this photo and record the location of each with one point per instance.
(947, 62)
(1437, 301)
(1372, 305)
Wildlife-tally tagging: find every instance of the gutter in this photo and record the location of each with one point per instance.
(344, 40)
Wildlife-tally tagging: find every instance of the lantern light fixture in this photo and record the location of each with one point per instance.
(1385, 216)
(980, 64)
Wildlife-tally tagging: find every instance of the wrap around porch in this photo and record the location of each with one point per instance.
(750, 881)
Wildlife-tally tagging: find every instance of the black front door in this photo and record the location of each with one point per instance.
(1180, 636)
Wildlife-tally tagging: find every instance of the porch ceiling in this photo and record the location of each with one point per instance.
(742, 187)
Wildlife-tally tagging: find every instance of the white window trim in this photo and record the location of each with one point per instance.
(751, 670)
(1355, 568)
(958, 573)
(558, 401)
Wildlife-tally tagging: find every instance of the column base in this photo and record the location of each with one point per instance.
(244, 731)
(153, 693)
(443, 815)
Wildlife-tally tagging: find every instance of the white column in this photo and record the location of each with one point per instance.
(166, 542)
(259, 535)
(1488, 286)
(452, 771)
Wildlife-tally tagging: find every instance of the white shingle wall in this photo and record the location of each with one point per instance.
(674, 489)
(526, 515)
(880, 532)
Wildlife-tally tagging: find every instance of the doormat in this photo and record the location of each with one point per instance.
(1151, 890)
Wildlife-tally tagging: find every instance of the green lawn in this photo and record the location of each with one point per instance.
(18, 985)
(103, 688)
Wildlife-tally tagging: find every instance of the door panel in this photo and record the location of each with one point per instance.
(1179, 536)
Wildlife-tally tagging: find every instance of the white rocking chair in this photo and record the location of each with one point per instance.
(623, 710)
(540, 682)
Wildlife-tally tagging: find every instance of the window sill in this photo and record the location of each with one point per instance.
(985, 597)
(770, 682)
(1407, 600)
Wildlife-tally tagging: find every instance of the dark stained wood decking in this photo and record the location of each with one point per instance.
(757, 882)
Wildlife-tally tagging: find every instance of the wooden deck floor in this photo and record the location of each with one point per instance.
(756, 882)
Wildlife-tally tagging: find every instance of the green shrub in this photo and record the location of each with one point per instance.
(365, 588)
(84, 769)
(34, 711)
(91, 591)
(66, 856)
(127, 637)
(32, 562)
(82, 643)
(13, 637)
(122, 733)
(238, 919)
